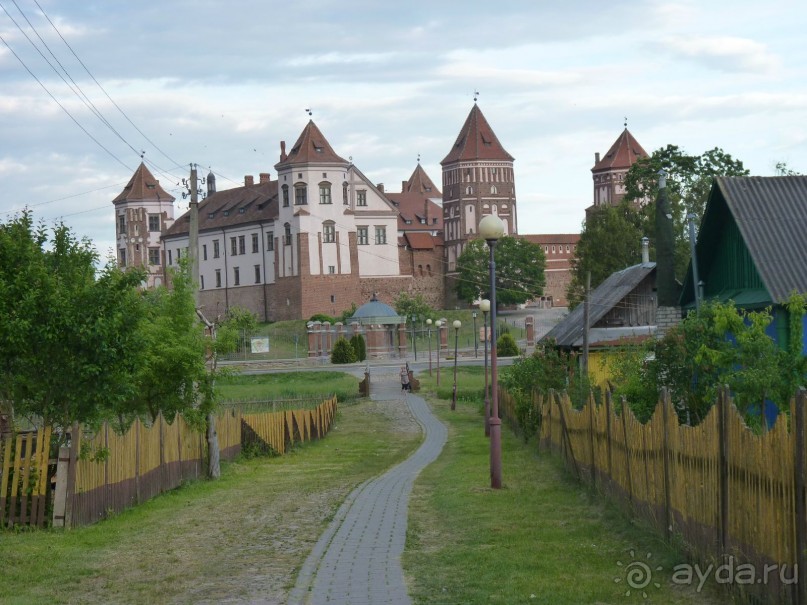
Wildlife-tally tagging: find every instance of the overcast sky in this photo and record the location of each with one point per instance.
(221, 83)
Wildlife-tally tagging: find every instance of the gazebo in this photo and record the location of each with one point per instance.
(378, 323)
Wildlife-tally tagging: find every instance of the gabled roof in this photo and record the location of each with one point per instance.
(552, 238)
(143, 187)
(603, 298)
(623, 153)
(771, 216)
(420, 241)
(230, 207)
(476, 141)
(420, 182)
(311, 148)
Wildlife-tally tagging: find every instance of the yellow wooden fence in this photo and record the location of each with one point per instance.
(24, 483)
(278, 430)
(719, 487)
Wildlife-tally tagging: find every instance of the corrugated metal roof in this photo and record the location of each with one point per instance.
(771, 214)
(603, 298)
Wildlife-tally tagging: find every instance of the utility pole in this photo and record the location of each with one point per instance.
(193, 243)
(586, 314)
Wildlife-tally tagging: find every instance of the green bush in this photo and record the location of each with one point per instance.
(357, 342)
(506, 346)
(343, 351)
(322, 317)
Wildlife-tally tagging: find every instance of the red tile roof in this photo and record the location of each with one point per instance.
(420, 241)
(623, 153)
(143, 187)
(311, 147)
(476, 141)
(237, 206)
(420, 182)
(552, 238)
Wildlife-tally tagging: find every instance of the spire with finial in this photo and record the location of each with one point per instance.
(308, 111)
(476, 95)
(418, 158)
(626, 121)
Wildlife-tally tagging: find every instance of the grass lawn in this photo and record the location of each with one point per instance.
(240, 538)
(543, 538)
(288, 385)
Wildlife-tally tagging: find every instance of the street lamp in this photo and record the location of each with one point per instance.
(491, 228)
(429, 324)
(457, 325)
(437, 324)
(484, 306)
(414, 337)
(476, 340)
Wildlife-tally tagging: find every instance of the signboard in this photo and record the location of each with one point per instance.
(259, 344)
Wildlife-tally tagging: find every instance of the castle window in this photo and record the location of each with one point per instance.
(255, 245)
(285, 189)
(216, 249)
(218, 278)
(234, 246)
(122, 257)
(300, 195)
(361, 197)
(420, 270)
(553, 249)
(170, 258)
(429, 270)
(331, 270)
(201, 282)
(121, 223)
(493, 190)
(469, 190)
(242, 244)
(154, 222)
(329, 232)
(204, 251)
(270, 240)
(380, 235)
(236, 276)
(344, 194)
(287, 235)
(362, 236)
(257, 274)
(324, 193)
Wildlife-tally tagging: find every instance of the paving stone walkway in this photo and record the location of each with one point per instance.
(357, 561)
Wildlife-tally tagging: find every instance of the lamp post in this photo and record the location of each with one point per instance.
(491, 228)
(457, 325)
(476, 340)
(484, 306)
(438, 323)
(429, 325)
(414, 337)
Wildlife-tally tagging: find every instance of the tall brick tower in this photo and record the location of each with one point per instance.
(610, 170)
(477, 180)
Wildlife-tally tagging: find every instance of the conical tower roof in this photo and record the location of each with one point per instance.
(420, 182)
(311, 147)
(476, 141)
(623, 153)
(143, 187)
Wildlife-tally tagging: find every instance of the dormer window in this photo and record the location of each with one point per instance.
(211, 215)
(242, 210)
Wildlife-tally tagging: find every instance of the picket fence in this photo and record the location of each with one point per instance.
(103, 472)
(729, 495)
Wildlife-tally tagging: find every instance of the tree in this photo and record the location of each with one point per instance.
(70, 340)
(343, 351)
(519, 271)
(359, 346)
(610, 241)
(407, 306)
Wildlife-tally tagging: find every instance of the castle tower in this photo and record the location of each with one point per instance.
(143, 211)
(609, 171)
(477, 180)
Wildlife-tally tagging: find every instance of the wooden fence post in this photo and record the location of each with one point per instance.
(60, 494)
(723, 454)
(591, 439)
(137, 460)
(800, 586)
(162, 453)
(666, 405)
(608, 445)
(565, 436)
(624, 404)
(107, 486)
(549, 399)
(75, 437)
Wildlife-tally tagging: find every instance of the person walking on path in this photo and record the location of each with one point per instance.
(358, 558)
(405, 385)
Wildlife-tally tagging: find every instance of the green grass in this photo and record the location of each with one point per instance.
(242, 537)
(470, 381)
(541, 539)
(288, 385)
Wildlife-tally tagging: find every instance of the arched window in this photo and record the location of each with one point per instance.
(493, 190)
(345, 200)
(429, 270)
(469, 190)
(324, 192)
(300, 195)
(328, 232)
(285, 189)
(287, 234)
(420, 270)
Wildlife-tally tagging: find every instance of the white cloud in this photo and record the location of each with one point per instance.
(339, 58)
(725, 53)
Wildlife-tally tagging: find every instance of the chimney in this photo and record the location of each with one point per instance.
(249, 180)
(380, 187)
(403, 186)
(645, 250)
(211, 183)
(283, 155)
(265, 177)
(596, 157)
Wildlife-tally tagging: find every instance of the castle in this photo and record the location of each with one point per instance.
(321, 236)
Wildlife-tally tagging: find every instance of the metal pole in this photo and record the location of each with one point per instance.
(487, 390)
(695, 279)
(476, 340)
(495, 421)
(438, 351)
(454, 395)
(430, 347)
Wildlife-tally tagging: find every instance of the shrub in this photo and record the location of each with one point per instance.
(343, 351)
(322, 317)
(357, 342)
(506, 346)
